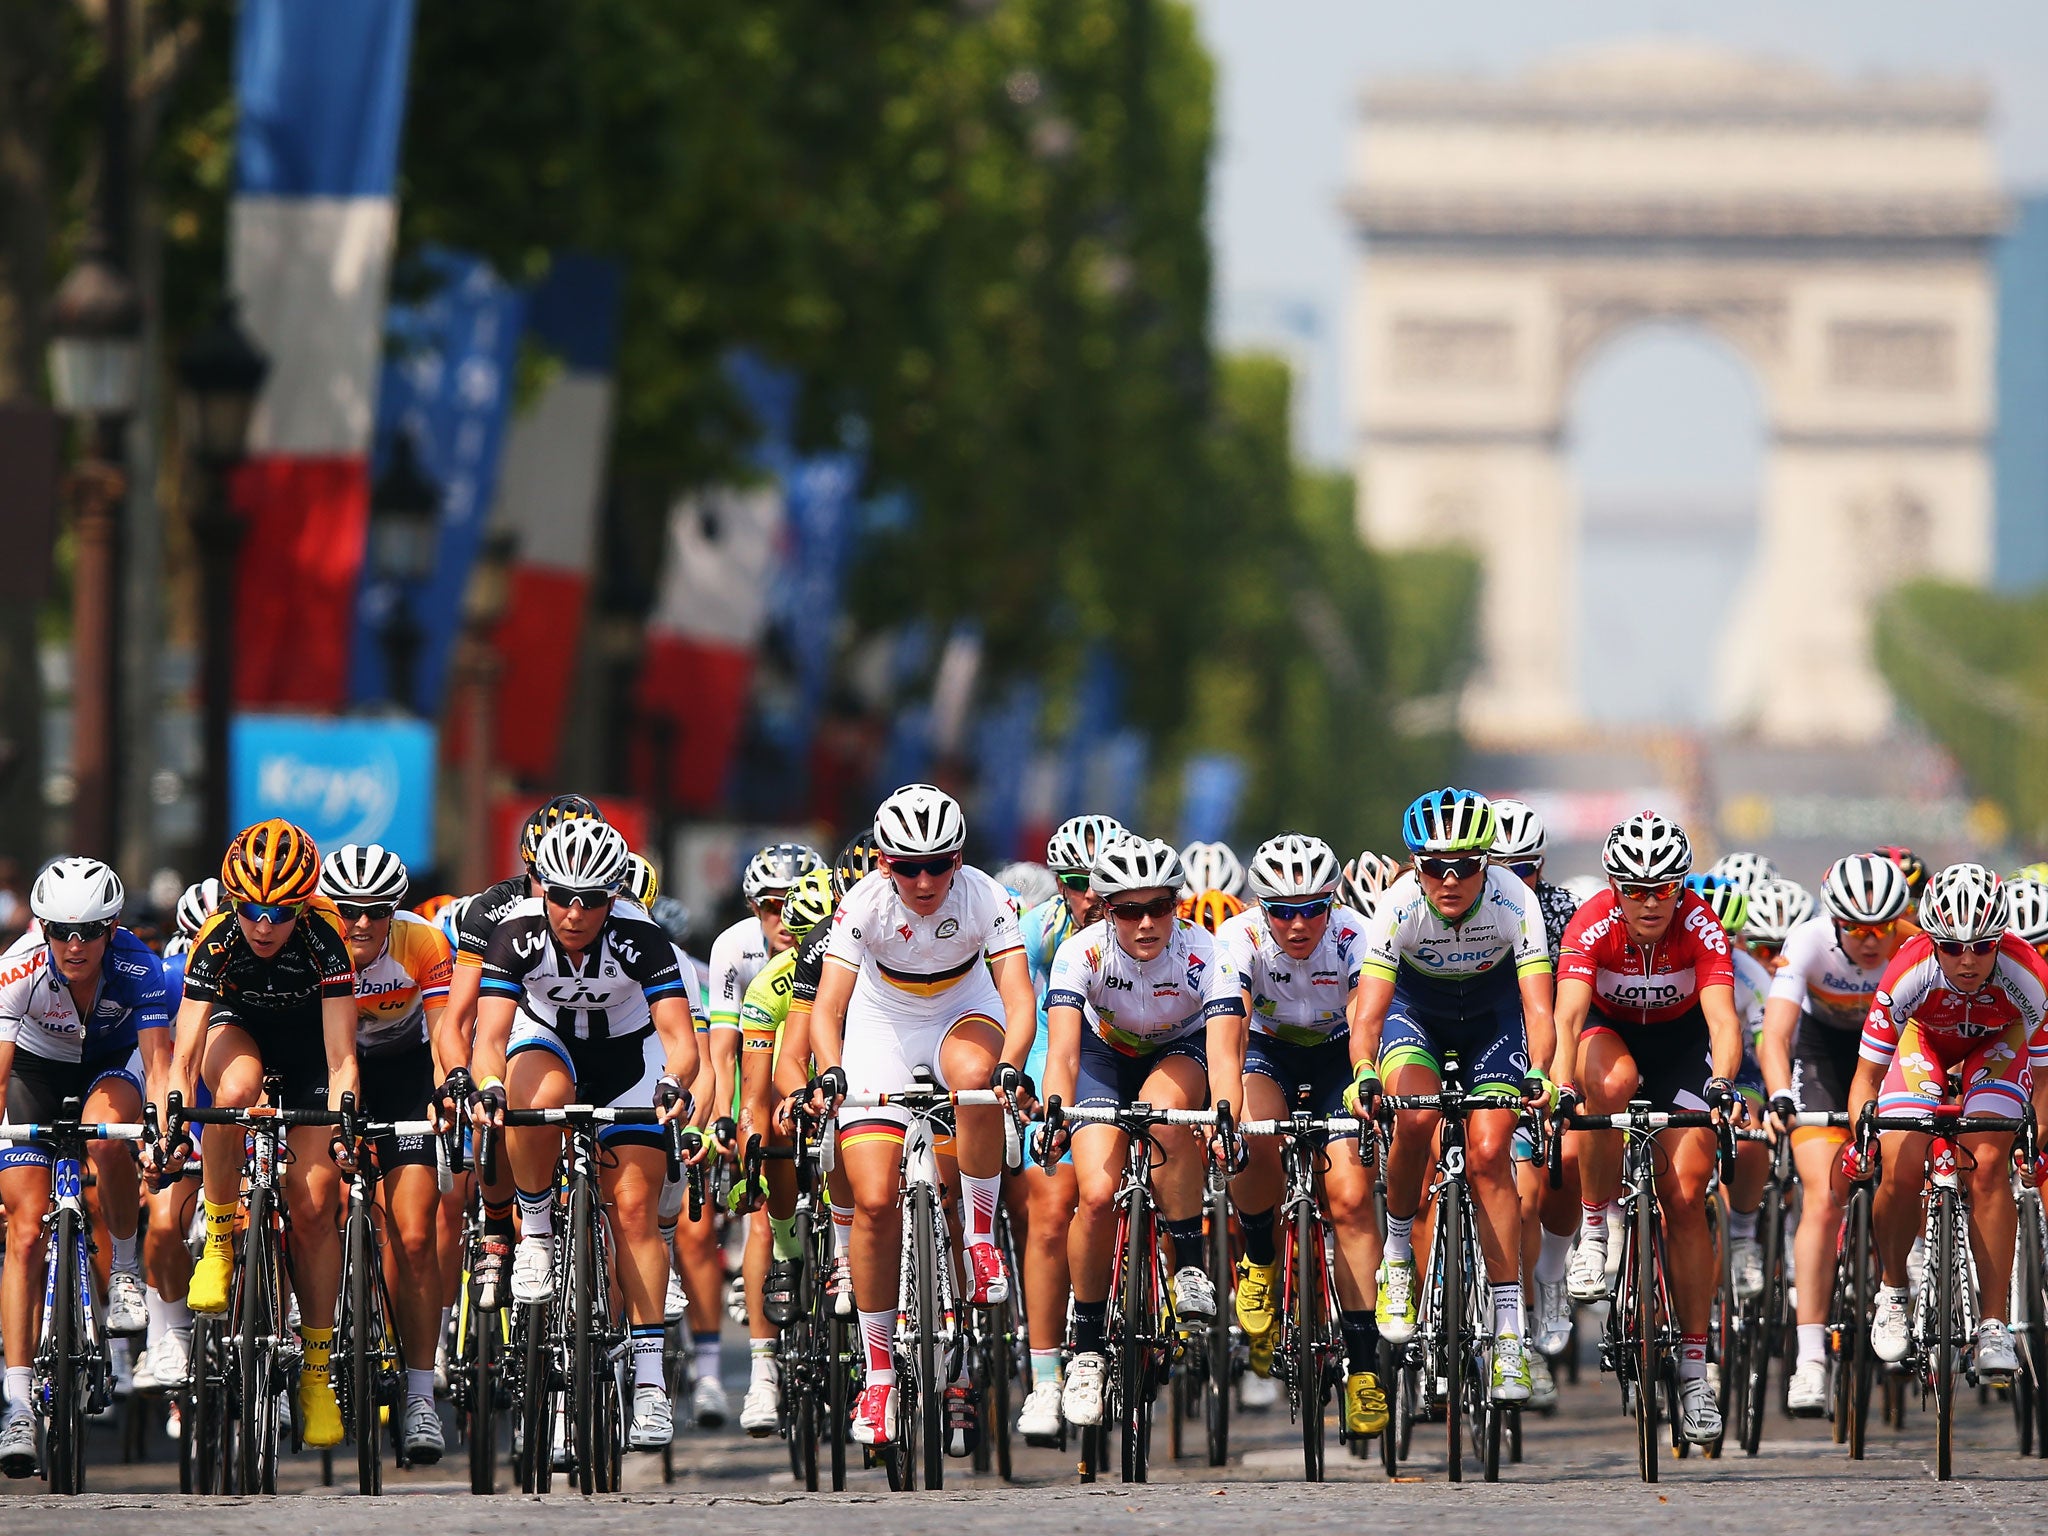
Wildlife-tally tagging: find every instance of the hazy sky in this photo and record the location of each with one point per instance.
(1291, 70)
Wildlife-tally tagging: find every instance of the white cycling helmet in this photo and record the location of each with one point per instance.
(1072, 848)
(1366, 876)
(1294, 867)
(1646, 848)
(583, 854)
(777, 867)
(2028, 899)
(76, 890)
(1213, 867)
(1865, 888)
(1776, 907)
(364, 873)
(1744, 870)
(1136, 864)
(1517, 830)
(1030, 883)
(1966, 902)
(920, 821)
(200, 901)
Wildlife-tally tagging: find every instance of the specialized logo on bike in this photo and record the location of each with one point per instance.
(947, 929)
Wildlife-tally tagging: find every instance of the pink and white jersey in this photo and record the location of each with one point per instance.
(912, 957)
(1952, 1021)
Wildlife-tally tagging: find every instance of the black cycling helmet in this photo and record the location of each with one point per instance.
(861, 856)
(560, 809)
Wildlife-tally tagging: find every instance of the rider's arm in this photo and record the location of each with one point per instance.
(1774, 1050)
(194, 1014)
(459, 1017)
(1229, 1028)
(338, 1032)
(155, 1046)
(1863, 1087)
(828, 1013)
(1574, 1002)
(1538, 1021)
(1367, 1013)
(1724, 1029)
(494, 1017)
(1020, 1005)
(678, 1032)
(1062, 1051)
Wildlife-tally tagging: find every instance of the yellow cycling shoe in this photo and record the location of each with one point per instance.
(208, 1291)
(1262, 1352)
(1365, 1405)
(319, 1413)
(1255, 1283)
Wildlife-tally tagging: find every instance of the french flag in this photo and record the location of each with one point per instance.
(321, 88)
(550, 488)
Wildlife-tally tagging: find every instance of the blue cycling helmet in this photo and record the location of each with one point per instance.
(1727, 897)
(1449, 821)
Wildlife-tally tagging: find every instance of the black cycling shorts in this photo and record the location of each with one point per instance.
(398, 1085)
(1674, 1059)
(290, 1044)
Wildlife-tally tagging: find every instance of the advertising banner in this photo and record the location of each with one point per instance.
(344, 781)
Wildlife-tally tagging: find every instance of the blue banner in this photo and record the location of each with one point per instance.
(447, 382)
(344, 781)
(320, 96)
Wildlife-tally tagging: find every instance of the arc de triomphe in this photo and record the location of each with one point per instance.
(1835, 234)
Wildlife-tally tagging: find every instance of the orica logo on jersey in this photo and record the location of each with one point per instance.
(1454, 959)
(947, 929)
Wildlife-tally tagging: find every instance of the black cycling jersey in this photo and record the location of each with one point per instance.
(810, 965)
(486, 909)
(603, 993)
(313, 965)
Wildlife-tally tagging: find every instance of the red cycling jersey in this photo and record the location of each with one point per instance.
(1913, 987)
(1637, 984)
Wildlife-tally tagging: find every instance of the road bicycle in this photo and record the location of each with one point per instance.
(1207, 1373)
(2029, 1317)
(479, 1382)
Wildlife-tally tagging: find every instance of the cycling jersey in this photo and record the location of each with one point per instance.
(482, 914)
(1044, 929)
(311, 966)
(1950, 1022)
(1833, 991)
(1752, 986)
(39, 1016)
(1301, 1002)
(1134, 1005)
(914, 959)
(1559, 906)
(395, 990)
(602, 994)
(1440, 962)
(766, 1005)
(1653, 984)
(737, 957)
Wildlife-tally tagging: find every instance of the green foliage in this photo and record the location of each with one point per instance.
(1974, 668)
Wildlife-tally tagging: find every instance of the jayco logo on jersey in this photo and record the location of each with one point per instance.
(947, 929)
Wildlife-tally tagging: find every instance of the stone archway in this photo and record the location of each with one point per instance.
(1835, 234)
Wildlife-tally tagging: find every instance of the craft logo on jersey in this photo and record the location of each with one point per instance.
(947, 929)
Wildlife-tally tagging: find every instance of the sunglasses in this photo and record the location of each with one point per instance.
(278, 912)
(1288, 911)
(1864, 930)
(375, 911)
(84, 933)
(769, 906)
(1954, 947)
(1662, 890)
(1075, 882)
(1138, 911)
(1523, 869)
(910, 869)
(575, 896)
(1450, 869)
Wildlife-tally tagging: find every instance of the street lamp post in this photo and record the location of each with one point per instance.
(477, 668)
(220, 372)
(405, 531)
(95, 350)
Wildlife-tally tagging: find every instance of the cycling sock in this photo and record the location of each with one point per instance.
(220, 1223)
(1813, 1343)
(319, 1344)
(1258, 1235)
(842, 1229)
(1552, 1258)
(1187, 1241)
(1089, 1319)
(982, 1195)
(670, 1207)
(706, 1346)
(667, 1228)
(1507, 1309)
(1593, 1223)
(165, 1315)
(420, 1384)
(1891, 1293)
(1692, 1357)
(125, 1259)
(537, 1213)
(761, 1362)
(783, 1230)
(1045, 1367)
(1361, 1339)
(21, 1385)
(498, 1219)
(1742, 1225)
(1400, 1245)
(647, 1355)
(878, 1333)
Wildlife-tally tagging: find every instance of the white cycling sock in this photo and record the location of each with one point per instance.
(1552, 1258)
(1507, 1309)
(165, 1316)
(126, 1260)
(982, 1198)
(1593, 1223)
(842, 1230)
(1813, 1343)
(1400, 1241)
(878, 1333)
(21, 1383)
(537, 1214)
(761, 1362)
(706, 1345)
(647, 1355)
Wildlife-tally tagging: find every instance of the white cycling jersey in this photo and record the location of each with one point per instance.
(738, 955)
(1830, 988)
(913, 960)
(1301, 1002)
(1135, 1005)
(1752, 986)
(1407, 939)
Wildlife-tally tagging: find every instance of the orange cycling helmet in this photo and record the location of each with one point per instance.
(272, 861)
(432, 907)
(1212, 909)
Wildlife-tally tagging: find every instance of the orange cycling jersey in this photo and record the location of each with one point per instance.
(395, 991)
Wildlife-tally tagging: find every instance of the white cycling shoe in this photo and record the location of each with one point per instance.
(1807, 1393)
(1081, 1397)
(761, 1412)
(1891, 1327)
(1586, 1280)
(654, 1421)
(127, 1306)
(533, 1270)
(1994, 1354)
(1039, 1421)
(1194, 1297)
(708, 1404)
(1699, 1416)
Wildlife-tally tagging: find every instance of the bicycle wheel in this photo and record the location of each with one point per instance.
(200, 1444)
(356, 1338)
(1394, 1382)
(1136, 1287)
(931, 1383)
(256, 1427)
(1309, 1325)
(1945, 1257)
(1649, 1363)
(1002, 1374)
(478, 1335)
(1216, 1380)
(536, 1400)
(838, 1378)
(1721, 1320)
(1449, 1255)
(1764, 1321)
(2031, 1274)
(1862, 1364)
(64, 1441)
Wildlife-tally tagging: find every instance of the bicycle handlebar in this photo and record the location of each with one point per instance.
(90, 1130)
(1337, 1125)
(1133, 1114)
(920, 1098)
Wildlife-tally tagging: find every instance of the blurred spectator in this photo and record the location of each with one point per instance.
(13, 899)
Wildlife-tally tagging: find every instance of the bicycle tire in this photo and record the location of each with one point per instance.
(1766, 1321)
(996, 1427)
(1450, 1253)
(1217, 1383)
(253, 1357)
(1308, 1338)
(1943, 1262)
(356, 1339)
(1392, 1381)
(931, 1382)
(479, 1336)
(1136, 1287)
(64, 1442)
(2033, 1273)
(536, 1401)
(1721, 1329)
(1648, 1361)
(838, 1378)
(1862, 1363)
(1496, 1424)
(206, 1397)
